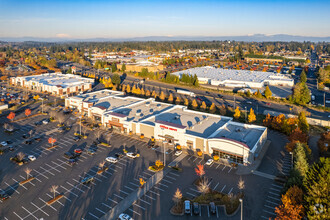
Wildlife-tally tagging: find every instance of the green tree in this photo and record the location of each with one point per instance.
(302, 122)
(259, 95)
(303, 77)
(301, 94)
(267, 92)
(300, 160)
(123, 67)
(116, 79)
(113, 67)
(318, 190)
(195, 81)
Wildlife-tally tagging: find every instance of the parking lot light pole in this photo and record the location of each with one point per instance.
(241, 201)
(80, 124)
(291, 159)
(164, 143)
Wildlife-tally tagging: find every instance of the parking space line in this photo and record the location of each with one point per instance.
(106, 205)
(81, 184)
(230, 169)
(134, 184)
(48, 205)
(230, 191)
(110, 168)
(171, 177)
(129, 188)
(190, 157)
(93, 215)
(224, 168)
(270, 207)
(215, 186)
(277, 199)
(47, 171)
(124, 192)
(59, 165)
(75, 187)
(69, 191)
(61, 161)
(52, 168)
(223, 188)
(100, 211)
(195, 159)
(277, 186)
(145, 201)
(154, 192)
(269, 212)
(39, 209)
(277, 190)
(19, 184)
(276, 194)
(40, 173)
(191, 194)
(112, 200)
(134, 212)
(121, 163)
(139, 206)
(150, 197)
(12, 187)
(272, 202)
(194, 190)
(159, 189)
(265, 217)
(174, 174)
(18, 216)
(118, 196)
(167, 181)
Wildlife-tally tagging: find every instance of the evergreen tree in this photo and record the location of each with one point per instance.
(162, 96)
(302, 122)
(267, 92)
(303, 77)
(128, 89)
(113, 67)
(123, 67)
(203, 106)
(251, 116)
(195, 81)
(237, 113)
(212, 108)
(186, 102)
(178, 100)
(300, 160)
(170, 98)
(194, 104)
(116, 79)
(148, 93)
(259, 95)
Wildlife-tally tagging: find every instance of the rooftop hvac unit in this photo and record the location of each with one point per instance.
(177, 117)
(147, 103)
(238, 130)
(159, 105)
(200, 122)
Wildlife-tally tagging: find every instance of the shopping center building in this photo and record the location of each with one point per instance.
(173, 125)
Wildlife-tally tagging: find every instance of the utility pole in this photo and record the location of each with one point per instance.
(324, 99)
(245, 113)
(164, 143)
(234, 102)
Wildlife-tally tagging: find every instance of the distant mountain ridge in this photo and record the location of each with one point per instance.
(246, 38)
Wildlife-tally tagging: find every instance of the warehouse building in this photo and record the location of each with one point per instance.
(173, 125)
(237, 78)
(54, 83)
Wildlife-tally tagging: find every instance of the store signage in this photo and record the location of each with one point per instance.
(172, 129)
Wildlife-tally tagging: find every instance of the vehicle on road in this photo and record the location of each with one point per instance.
(186, 92)
(78, 151)
(87, 180)
(212, 208)
(196, 208)
(209, 162)
(187, 207)
(3, 196)
(178, 152)
(111, 159)
(124, 216)
(32, 157)
(132, 155)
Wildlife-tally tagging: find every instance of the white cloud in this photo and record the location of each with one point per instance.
(62, 35)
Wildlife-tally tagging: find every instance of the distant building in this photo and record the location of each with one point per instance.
(54, 83)
(137, 67)
(237, 78)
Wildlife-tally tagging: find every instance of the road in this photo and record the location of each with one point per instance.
(242, 102)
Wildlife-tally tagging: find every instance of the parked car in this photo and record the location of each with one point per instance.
(209, 162)
(76, 138)
(178, 152)
(70, 155)
(37, 138)
(3, 196)
(187, 207)
(25, 136)
(45, 121)
(72, 161)
(5, 143)
(212, 208)
(87, 180)
(111, 159)
(196, 208)
(91, 151)
(61, 129)
(32, 157)
(132, 155)
(38, 123)
(124, 216)
(11, 148)
(28, 141)
(78, 151)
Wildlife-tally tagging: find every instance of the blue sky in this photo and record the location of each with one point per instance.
(116, 19)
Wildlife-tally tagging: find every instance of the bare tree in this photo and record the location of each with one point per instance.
(84, 130)
(20, 156)
(98, 134)
(60, 118)
(203, 186)
(52, 113)
(5, 126)
(27, 171)
(53, 189)
(241, 184)
(30, 133)
(177, 196)
(101, 165)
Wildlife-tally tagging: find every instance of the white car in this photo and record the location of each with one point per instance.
(124, 216)
(111, 159)
(32, 157)
(178, 152)
(209, 162)
(4, 143)
(132, 155)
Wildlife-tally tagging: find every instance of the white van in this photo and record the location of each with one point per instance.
(111, 159)
(187, 207)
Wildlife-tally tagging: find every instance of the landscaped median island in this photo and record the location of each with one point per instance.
(26, 181)
(157, 167)
(58, 197)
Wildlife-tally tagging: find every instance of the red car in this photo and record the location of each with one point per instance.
(268, 103)
(78, 151)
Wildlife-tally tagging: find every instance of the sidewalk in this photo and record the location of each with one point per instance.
(245, 170)
(138, 193)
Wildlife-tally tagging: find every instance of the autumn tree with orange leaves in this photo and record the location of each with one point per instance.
(291, 207)
(27, 112)
(51, 141)
(11, 116)
(200, 170)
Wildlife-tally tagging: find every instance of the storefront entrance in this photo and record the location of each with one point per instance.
(231, 157)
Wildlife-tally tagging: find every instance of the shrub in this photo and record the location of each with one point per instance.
(216, 157)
